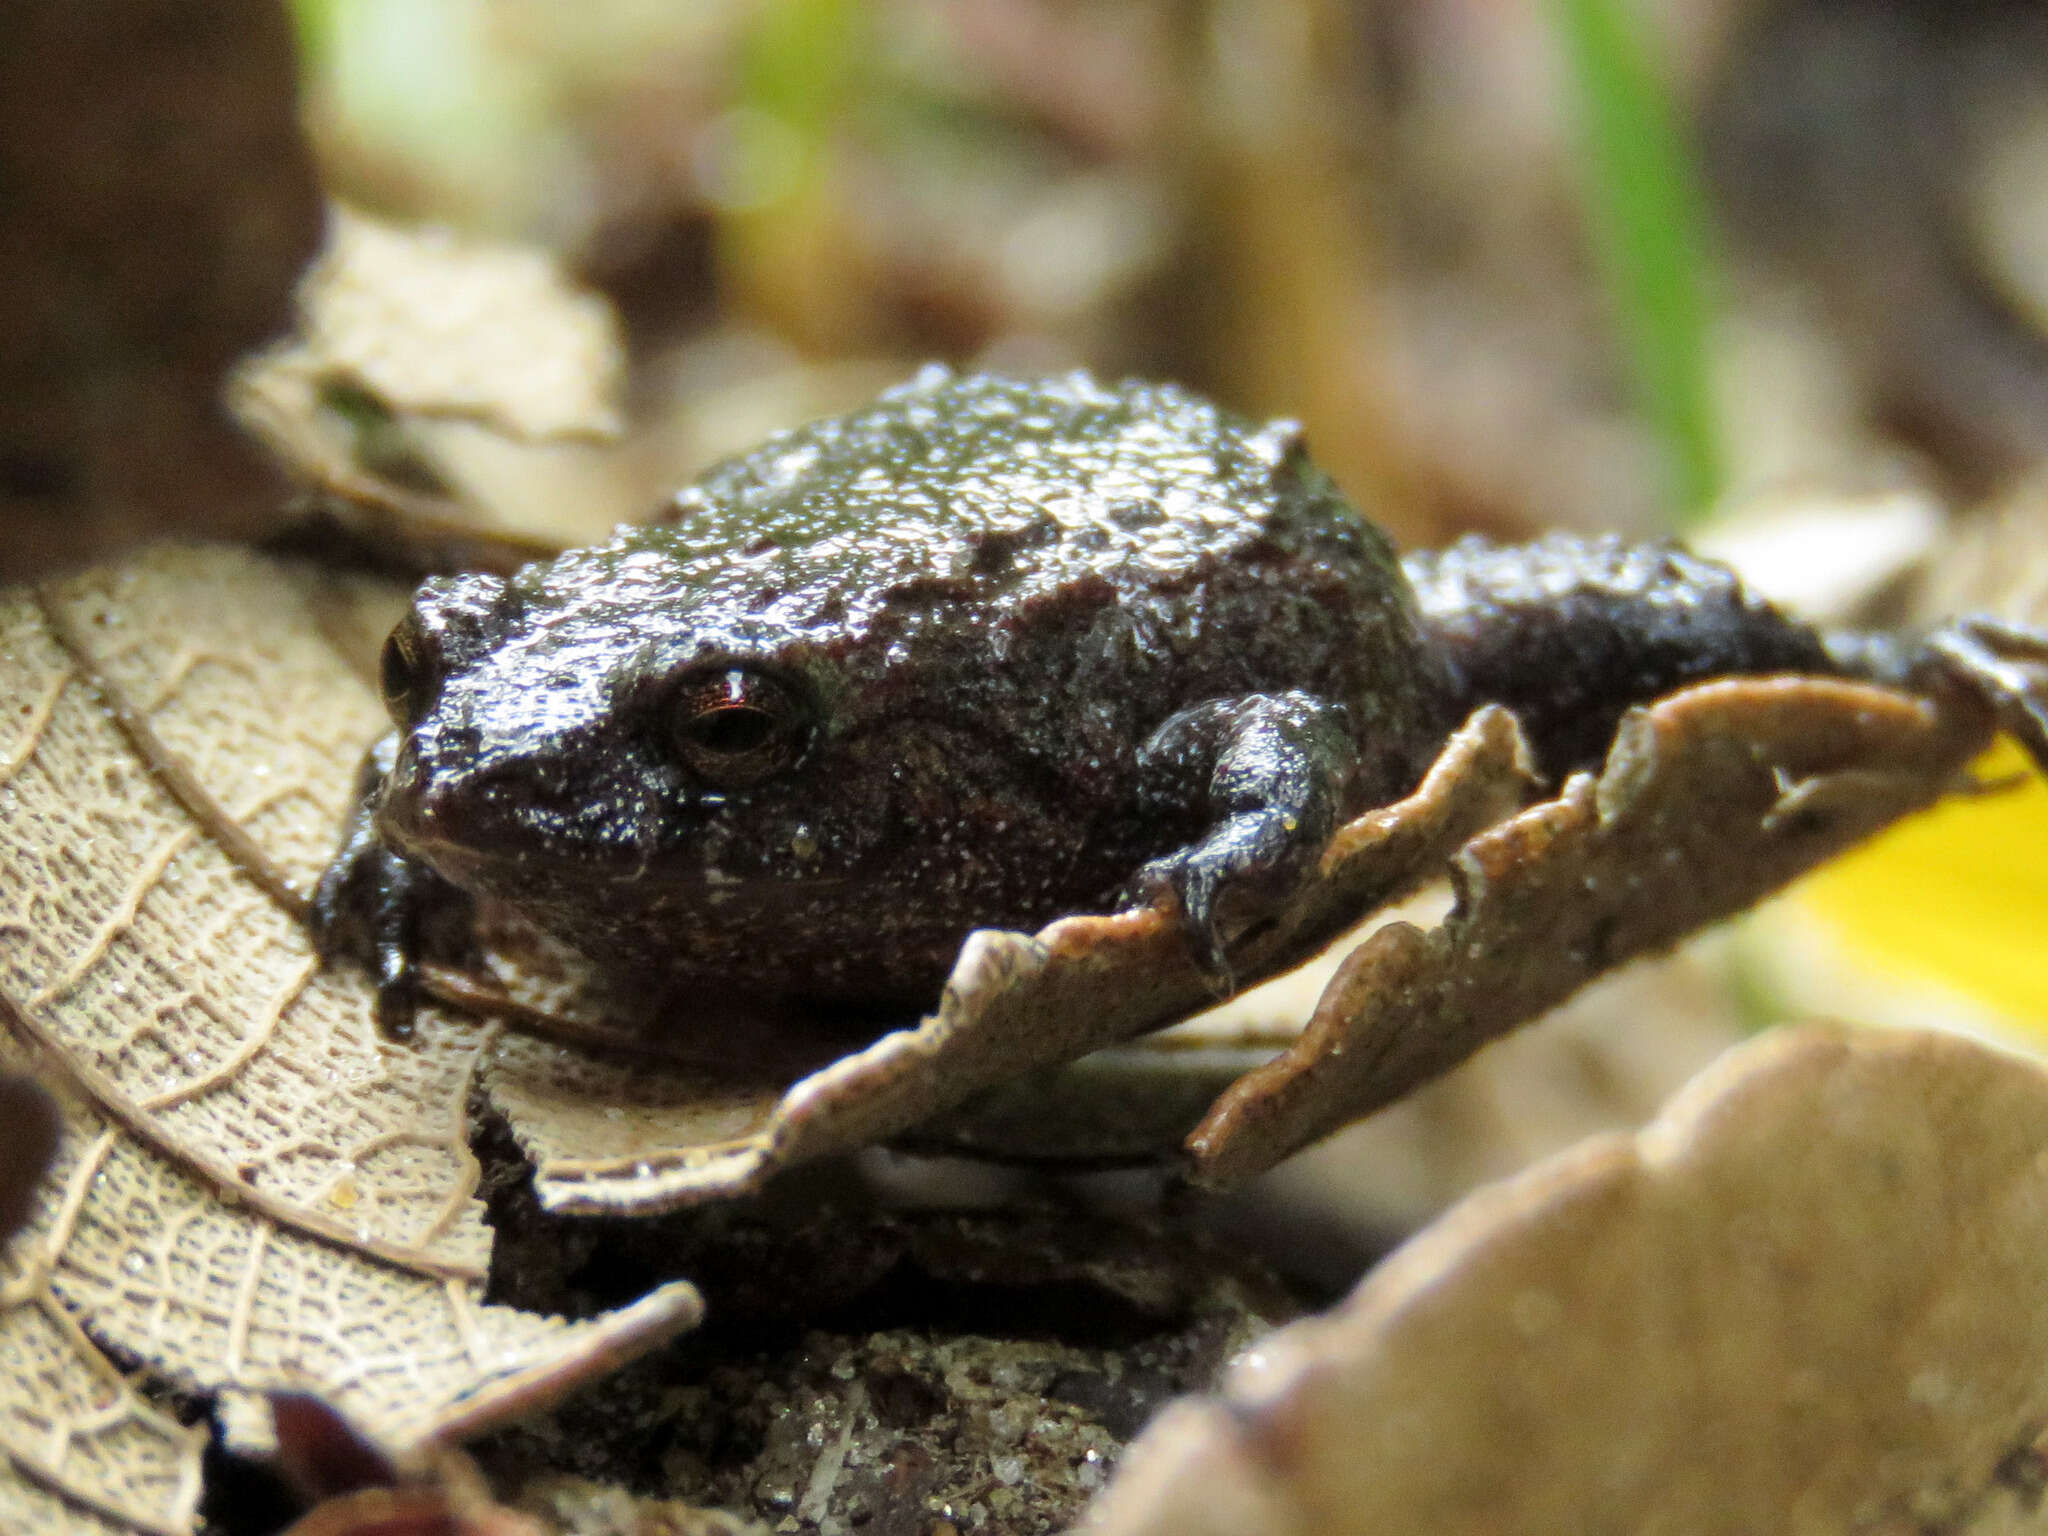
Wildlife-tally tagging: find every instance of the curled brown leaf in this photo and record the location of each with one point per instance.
(1809, 1292)
(1709, 801)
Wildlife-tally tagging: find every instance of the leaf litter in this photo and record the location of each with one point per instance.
(421, 360)
(262, 1194)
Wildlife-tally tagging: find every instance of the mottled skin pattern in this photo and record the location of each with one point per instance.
(981, 654)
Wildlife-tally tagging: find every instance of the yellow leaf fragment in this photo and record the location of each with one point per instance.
(1956, 898)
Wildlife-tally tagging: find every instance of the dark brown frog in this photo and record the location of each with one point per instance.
(987, 652)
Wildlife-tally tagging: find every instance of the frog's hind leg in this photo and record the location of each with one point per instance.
(1570, 633)
(2004, 666)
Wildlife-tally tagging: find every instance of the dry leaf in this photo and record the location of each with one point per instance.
(422, 359)
(439, 326)
(1807, 1297)
(1709, 801)
(133, 942)
(25, 1507)
(212, 1296)
(82, 1449)
(254, 1192)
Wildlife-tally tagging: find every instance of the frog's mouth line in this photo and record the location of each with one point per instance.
(512, 878)
(459, 865)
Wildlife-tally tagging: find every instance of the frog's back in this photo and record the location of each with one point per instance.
(998, 492)
(1059, 562)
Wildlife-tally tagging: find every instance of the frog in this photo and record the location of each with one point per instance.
(984, 653)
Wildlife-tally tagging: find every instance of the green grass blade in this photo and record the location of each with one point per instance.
(1648, 222)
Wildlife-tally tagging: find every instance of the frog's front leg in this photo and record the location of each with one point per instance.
(386, 911)
(1261, 782)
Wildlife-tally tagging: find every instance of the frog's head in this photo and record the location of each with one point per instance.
(630, 747)
(870, 679)
(595, 719)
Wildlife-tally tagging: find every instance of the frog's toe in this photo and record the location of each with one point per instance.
(1218, 898)
(343, 914)
(388, 913)
(398, 990)
(1188, 888)
(2005, 665)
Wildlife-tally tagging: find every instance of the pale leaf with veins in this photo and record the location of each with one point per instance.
(254, 1190)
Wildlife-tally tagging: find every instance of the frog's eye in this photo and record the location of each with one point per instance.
(734, 728)
(404, 675)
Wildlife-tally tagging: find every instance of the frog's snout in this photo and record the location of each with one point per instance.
(409, 805)
(462, 806)
(429, 806)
